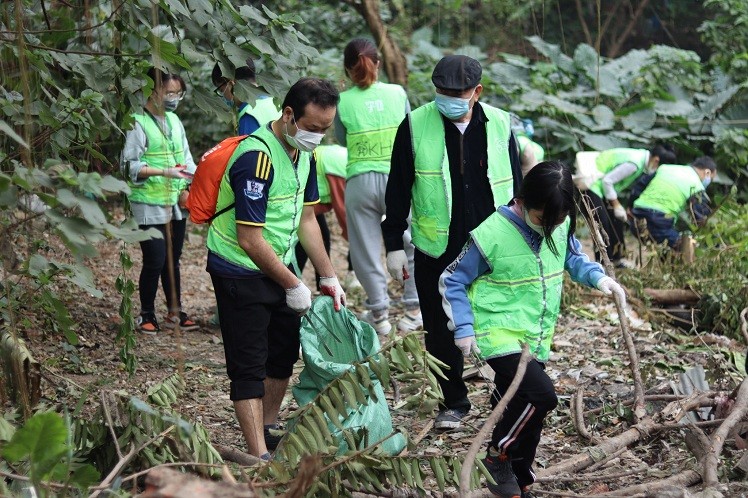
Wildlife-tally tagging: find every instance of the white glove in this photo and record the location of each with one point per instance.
(467, 345)
(620, 213)
(299, 298)
(397, 265)
(330, 286)
(176, 172)
(609, 286)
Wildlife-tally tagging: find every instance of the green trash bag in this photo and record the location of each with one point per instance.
(330, 342)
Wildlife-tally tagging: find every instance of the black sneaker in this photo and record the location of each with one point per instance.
(506, 483)
(271, 440)
(526, 493)
(450, 418)
(147, 323)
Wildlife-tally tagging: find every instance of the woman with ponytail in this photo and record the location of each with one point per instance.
(367, 120)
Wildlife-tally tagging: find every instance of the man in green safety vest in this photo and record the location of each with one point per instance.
(619, 169)
(672, 190)
(454, 162)
(248, 117)
(271, 183)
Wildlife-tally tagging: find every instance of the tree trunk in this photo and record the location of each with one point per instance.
(395, 65)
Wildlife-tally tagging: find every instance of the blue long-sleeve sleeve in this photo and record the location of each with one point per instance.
(580, 268)
(454, 284)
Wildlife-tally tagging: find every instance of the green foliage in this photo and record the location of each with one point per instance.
(316, 429)
(720, 275)
(71, 76)
(726, 33)
(126, 334)
(43, 447)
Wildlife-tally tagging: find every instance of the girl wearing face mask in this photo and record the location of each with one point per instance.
(367, 120)
(504, 290)
(157, 162)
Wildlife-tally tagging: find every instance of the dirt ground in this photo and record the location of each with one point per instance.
(588, 352)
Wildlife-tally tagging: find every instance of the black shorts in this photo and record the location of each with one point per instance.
(260, 333)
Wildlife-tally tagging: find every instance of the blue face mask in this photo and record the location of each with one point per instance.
(453, 108)
(706, 181)
(229, 102)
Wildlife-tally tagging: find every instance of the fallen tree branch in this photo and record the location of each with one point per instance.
(493, 419)
(589, 478)
(672, 296)
(236, 456)
(651, 397)
(123, 461)
(164, 482)
(682, 481)
(601, 450)
(711, 459)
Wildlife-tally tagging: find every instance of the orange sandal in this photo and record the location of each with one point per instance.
(147, 324)
(184, 321)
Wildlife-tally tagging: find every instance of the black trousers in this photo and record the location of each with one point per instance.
(518, 433)
(260, 333)
(440, 341)
(155, 266)
(611, 226)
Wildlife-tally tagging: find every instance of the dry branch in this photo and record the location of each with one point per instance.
(682, 481)
(672, 296)
(600, 451)
(577, 410)
(237, 456)
(711, 459)
(623, 319)
(493, 419)
(167, 483)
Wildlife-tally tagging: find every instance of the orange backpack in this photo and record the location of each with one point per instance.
(203, 197)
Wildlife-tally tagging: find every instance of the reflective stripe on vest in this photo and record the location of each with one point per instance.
(285, 203)
(330, 160)
(607, 160)
(432, 187)
(670, 189)
(519, 299)
(163, 150)
(371, 118)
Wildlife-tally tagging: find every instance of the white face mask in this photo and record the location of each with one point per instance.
(536, 228)
(305, 141)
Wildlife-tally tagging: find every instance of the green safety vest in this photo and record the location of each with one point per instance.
(519, 299)
(607, 160)
(331, 160)
(536, 147)
(670, 189)
(371, 117)
(432, 187)
(263, 111)
(162, 151)
(285, 203)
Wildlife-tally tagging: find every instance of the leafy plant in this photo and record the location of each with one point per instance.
(43, 447)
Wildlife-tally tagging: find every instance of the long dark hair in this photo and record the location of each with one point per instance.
(360, 60)
(548, 187)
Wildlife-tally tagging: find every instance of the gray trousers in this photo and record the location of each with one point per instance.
(364, 209)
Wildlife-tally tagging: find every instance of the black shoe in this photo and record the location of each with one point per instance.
(450, 418)
(506, 483)
(526, 493)
(271, 440)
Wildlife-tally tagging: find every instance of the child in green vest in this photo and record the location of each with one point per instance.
(672, 190)
(503, 290)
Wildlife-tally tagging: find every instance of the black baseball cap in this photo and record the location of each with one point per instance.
(456, 73)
